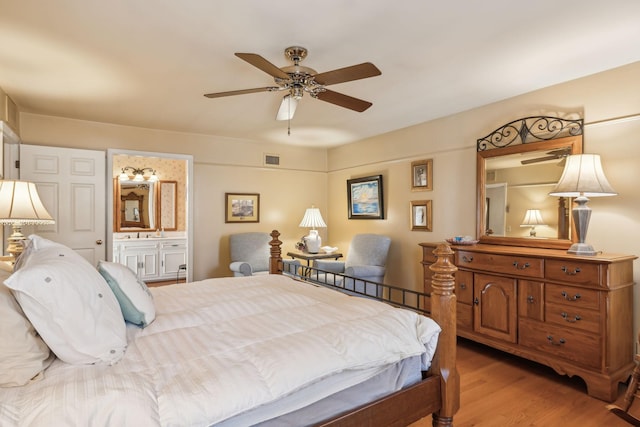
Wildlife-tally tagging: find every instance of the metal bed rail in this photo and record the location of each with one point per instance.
(393, 295)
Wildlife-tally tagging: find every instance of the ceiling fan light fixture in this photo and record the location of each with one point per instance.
(287, 108)
(298, 79)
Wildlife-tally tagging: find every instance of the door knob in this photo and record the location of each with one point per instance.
(99, 242)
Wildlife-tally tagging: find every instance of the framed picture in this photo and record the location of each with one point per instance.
(421, 215)
(242, 207)
(365, 198)
(422, 175)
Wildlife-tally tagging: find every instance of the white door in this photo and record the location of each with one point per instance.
(71, 184)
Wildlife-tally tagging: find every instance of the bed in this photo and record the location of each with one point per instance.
(271, 350)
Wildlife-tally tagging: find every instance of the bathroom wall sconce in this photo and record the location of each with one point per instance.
(137, 174)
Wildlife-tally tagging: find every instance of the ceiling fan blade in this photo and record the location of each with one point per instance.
(261, 63)
(242, 91)
(345, 101)
(347, 74)
(551, 155)
(287, 108)
(539, 159)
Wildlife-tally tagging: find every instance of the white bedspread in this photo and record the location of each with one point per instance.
(218, 348)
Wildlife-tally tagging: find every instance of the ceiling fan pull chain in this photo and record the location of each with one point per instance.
(289, 117)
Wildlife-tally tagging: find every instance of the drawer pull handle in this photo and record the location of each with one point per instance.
(530, 299)
(565, 316)
(561, 341)
(568, 298)
(466, 258)
(522, 267)
(463, 286)
(570, 273)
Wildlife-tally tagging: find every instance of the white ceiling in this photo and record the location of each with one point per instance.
(148, 63)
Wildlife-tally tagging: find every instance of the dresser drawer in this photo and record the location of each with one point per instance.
(579, 347)
(464, 286)
(572, 316)
(507, 264)
(569, 296)
(580, 273)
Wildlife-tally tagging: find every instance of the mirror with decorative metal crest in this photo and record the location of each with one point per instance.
(518, 164)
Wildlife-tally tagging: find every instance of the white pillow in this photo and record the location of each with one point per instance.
(136, 301)
(23, 354)
(69, 304)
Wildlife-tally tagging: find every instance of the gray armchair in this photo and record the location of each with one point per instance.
(250, 254)
(366, 259)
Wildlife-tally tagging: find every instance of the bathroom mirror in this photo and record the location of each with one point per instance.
(135, 205)
(513, 182)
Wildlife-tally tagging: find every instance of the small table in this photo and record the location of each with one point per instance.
(310, 257)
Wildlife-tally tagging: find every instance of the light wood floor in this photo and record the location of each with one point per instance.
(501, 390)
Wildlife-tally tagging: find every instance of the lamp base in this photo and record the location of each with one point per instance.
(581, 214)
(15, 244)
(313, 242)
(582, 249)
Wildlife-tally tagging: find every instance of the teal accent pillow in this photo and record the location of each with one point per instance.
(134, 297)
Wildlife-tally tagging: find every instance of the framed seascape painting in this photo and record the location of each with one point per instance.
(242, 207)
(421, 219)
(422, 175)
(365, 198)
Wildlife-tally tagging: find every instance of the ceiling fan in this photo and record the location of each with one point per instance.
(297, 79)
(561, 153)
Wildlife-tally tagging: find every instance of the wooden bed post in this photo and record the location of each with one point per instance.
(275, 260)
(443, 311)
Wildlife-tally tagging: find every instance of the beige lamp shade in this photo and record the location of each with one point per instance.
(532, 217)
(20, 205)
(583, 175)
(312, 218)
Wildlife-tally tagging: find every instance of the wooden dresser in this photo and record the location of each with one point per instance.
(572, 313)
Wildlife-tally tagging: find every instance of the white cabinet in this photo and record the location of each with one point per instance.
(173, 257)
(152, 259)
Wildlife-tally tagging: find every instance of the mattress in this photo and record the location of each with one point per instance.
(253, 347)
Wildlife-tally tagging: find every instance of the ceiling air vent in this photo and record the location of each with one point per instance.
(272, 159)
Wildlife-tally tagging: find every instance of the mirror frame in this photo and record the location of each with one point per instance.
(550, 137)
(117, 213)
(131, 197)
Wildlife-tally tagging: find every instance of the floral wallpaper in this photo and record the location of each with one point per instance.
(166, 170)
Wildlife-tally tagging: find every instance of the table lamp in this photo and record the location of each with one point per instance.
(581, 178)
(532, 218)
(20, 205)
(312, 218)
